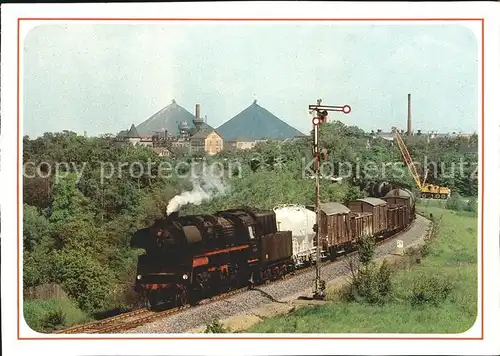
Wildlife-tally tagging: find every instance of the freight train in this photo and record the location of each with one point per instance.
(188, 258)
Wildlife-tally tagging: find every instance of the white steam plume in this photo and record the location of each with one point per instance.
(204, 188)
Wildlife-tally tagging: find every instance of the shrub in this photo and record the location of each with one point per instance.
(51, 314)
(366, 249)
(430, 290)
(364, 286)
(54, 320)
(123, 295)
(428, 247)
(384, 280)
(471, 205)
(425, 250)
(215, 327)
(371, 285)
(455, 202)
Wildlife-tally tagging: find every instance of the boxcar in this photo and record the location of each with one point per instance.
(377, 207)
(393, 217)
(402, 197)
(404, 201)
(404, 216)
(335, 227)
(361, 225)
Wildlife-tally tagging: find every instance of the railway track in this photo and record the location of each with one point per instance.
(132, 319)
(138, 317)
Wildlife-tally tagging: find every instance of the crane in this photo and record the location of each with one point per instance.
(426, 190)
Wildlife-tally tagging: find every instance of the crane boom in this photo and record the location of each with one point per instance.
(407, 157)
(426, 190)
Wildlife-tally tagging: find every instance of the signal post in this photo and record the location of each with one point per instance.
(321, 114)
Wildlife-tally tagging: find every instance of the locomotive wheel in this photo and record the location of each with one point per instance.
(443, 196)
(182, 297)
(283, 271)
(153, 299)
(268, 276)
(423, 195)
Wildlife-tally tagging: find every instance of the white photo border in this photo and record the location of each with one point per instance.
(482, 338)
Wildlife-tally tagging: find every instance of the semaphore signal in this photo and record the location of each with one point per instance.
(320, 117)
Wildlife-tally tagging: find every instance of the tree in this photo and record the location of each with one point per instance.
(35, 227)
(83, 278)
(68, 203)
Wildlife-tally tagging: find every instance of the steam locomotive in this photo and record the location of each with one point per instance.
(188, 258)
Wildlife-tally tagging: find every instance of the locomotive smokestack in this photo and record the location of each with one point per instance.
(197, 111)
(409, 115)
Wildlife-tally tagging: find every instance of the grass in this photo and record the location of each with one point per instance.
(49, 315)
(451, 262)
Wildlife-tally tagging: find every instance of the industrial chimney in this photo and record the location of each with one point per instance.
(409, 116)
(197, 111)
(198, 121)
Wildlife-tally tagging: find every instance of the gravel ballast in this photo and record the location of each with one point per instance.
(280, 291)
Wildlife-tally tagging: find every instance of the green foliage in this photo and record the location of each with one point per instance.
(385, 280)
(425, 250)
(455, 202)
(54, 320)
(37, 245)
(430, 289)
(35, 227)
(366, 249)
(471, 205)
(371, 284)
(83, 278)
(49, 315)
(38, 266)
(68, 202)
(215, 327)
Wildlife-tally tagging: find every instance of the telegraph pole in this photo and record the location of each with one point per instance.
(321, 114)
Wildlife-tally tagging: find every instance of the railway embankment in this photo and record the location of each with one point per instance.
(433, 290)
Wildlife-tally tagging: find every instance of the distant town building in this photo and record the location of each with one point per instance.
(388, 135)
(208, 141)
(296, 138)
(133, 137)
(240, 144)
(163, 151)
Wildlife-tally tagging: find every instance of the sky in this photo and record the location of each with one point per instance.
(101, 78)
